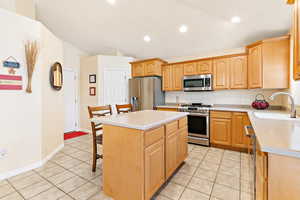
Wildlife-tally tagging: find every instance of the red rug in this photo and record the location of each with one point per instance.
(74, 134)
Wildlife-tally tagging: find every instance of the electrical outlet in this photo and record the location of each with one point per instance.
(3, 153)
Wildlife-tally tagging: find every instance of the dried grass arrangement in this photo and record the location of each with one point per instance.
(31, 51)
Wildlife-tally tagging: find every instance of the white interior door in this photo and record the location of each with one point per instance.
(116, 86)
(70, 100)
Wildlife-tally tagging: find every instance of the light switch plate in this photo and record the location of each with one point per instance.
(3, 153)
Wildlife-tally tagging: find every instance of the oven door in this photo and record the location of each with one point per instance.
(197, 83)
(198, 125)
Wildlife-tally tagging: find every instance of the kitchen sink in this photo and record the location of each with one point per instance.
(277, 116)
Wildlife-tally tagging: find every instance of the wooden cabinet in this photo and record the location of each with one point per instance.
(220, 131)
(221, 68)
(190, 68)
(154, 168)
(137, 70)
(182, 150)
(171, 153)
(239, 138)
(261, 174)
(205, 67)
(177, 76)
(296, 40)
(172, 77)
(228, 129)
(268, 63)
(150, 67)
(238, 72)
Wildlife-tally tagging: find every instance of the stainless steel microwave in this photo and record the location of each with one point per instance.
(198, 83)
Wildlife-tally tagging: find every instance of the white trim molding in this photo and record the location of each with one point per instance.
(30, 167)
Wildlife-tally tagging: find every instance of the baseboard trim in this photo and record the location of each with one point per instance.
(30, 167)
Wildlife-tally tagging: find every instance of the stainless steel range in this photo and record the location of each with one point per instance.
(198, 122)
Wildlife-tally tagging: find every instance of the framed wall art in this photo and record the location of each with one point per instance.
(92, 78)
(92, 91)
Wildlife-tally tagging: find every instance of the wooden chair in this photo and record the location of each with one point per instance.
(97, 129)
(125, 108)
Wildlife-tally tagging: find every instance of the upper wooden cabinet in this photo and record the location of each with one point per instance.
(296, 40)
(205, 67)
(172, 77)
(190, 68)
(268, 63)
(238, 72)
(221, 73)
(150, 67)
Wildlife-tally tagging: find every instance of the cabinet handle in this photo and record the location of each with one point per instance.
(247, 131)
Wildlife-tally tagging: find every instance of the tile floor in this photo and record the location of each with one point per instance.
(208, 174)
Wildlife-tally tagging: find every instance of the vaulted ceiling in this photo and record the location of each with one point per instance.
(99, 27)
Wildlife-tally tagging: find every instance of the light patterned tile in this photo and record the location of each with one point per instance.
(181, 179)
(229, 181)
(70, 163)
(160, 197)
(100, 196)
(13, 196)
(85, 171)
(225, 193)
(82, 155)
(35, 189)
(246, 196)
(21, 176)
(97, 181)
(196, 155)
(59, 178)
(51, 171)
(71, 184)
(65, 197)
(62, 159)
(3, 182)
(5, 190)
(193, 195)
(69, 150)
(193, 162)
(50, 194)
(209, 166)
(26, 181)
(84, 192)
(48, 165)
(247, 186)
(172, 191)
(206, 174)
(232, 171)
(230, 163)
(187, 169)
(201, 185)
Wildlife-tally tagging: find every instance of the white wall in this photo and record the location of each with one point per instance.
(31, 124)
(8, 5)
(22, 7)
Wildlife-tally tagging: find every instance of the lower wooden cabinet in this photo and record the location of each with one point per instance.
(182, 150)
(239, 138)
(171, 153)
(228, 129)
(154, 168)
(220, 131)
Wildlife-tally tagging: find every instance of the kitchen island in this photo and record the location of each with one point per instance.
(141, 151)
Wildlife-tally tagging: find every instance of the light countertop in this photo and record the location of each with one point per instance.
(141, 120)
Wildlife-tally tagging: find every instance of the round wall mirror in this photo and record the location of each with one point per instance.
(56, 76)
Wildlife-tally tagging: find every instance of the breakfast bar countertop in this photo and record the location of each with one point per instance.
(141, 120)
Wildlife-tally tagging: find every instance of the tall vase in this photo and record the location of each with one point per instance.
(28, 89)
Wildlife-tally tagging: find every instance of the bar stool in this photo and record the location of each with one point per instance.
(97, 129)
(125, 108)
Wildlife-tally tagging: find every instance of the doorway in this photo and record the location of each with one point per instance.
(70, 100)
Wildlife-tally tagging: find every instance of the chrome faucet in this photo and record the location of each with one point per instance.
(293, 109)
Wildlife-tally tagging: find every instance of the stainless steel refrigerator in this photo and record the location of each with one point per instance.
(146, 93)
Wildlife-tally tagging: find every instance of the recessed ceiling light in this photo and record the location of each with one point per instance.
(147, 38)
(183, 28)
(236, 20)
(112, 2)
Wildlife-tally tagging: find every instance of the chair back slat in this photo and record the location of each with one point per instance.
(125, 108)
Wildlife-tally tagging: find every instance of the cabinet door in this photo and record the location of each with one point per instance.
(239, 138)
(255, 67)
(137, 70)
(171, 153)
(182, 145)
(296, 34)
(220, 130)
(167, 78)
(205, 67)
(150, 68)
(190, 68)
(238, 72)
(221, 73)
(261, 174)
(154, 168)
(177, 75)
